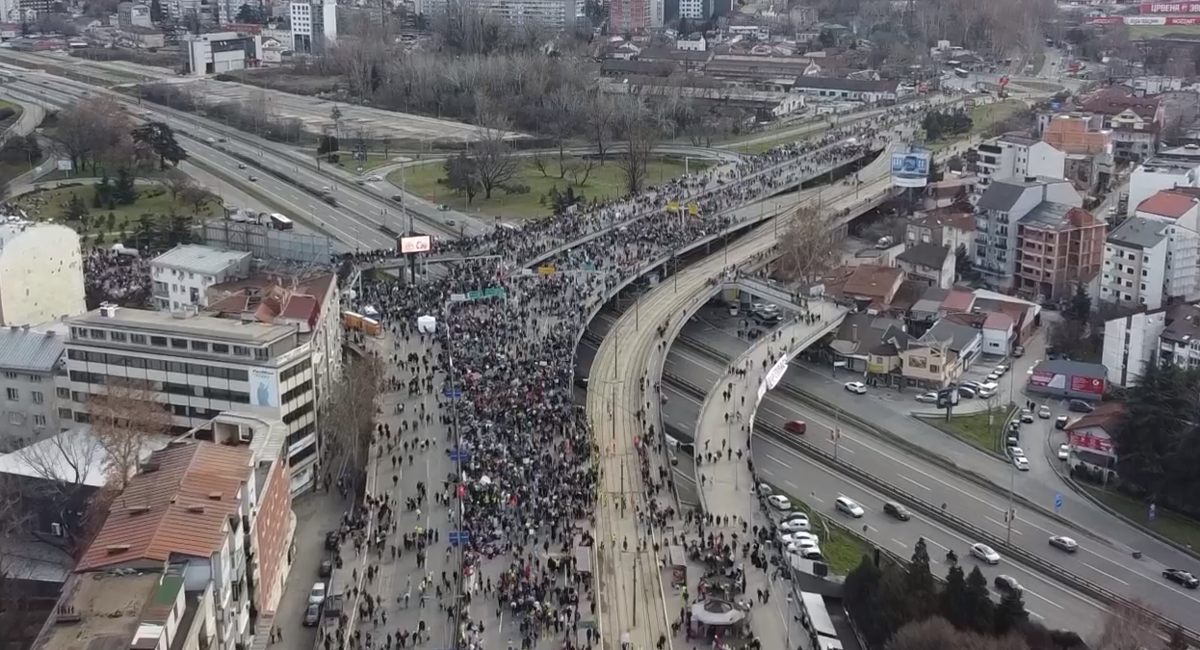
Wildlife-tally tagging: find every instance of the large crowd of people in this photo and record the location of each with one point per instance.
(527, 488)
(116, 275)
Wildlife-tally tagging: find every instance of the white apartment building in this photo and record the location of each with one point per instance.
(1131, 342)
(1148, 262)
(41, 273)
(201, 366)
(183, 275)
(30, 363)
(1018, 156)
(1003, 204)
(555, 14)
(314, 24)
(1159, 174)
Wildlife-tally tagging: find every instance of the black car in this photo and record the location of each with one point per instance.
(312, 615)
(332, 543)
(1061, 422)
(1080, 406)
(896, 510)
(326, 569)
(1182, 577)
(1008, 584)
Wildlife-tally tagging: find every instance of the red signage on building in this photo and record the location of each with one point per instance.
(1171, 7)
(1090, 385)
(1088, 441)
(1183, 20)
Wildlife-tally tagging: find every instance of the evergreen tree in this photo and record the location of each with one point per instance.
(953, 599)
(919, 584)
(124, 190)
(1010, 614)
(1080, 306)
(76, 209)
(161, 139)
(978, 605)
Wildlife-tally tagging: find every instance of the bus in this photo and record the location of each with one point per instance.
(816, 621)
(962, 74)
(280, 222)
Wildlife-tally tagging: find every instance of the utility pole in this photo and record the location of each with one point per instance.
(635, 590)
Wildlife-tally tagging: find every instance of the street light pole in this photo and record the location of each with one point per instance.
(1009, 515)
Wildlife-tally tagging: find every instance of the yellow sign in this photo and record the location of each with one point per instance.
(545, 270)
(693, 209)
(673, 206)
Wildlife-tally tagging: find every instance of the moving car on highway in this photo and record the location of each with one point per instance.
(856, 387)
(1181, 577)
(985, 553)
(896, 510)
(848, 506)
(1062, 542)
(797, 427)
(1008, 585)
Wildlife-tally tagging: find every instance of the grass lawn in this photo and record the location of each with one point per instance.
(374, 160)
(1166, 523)
(604, 181)
(842, 551)
(17, 108)
(49, 205)
(974, 428)
(1149, 32)
(983, 117)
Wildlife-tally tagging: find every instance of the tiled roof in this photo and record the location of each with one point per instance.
(872, 281)
(998, 321)
(1106, 416)
(1168, 203)
(958, 300)
(178, 505)
(29, 351)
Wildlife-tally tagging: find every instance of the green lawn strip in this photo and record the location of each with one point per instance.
(842, 550)
(1174, 526)
(12, 119)
(50, 205)
(983, 117)
(604, 181)
(974, 428)
(374, 160)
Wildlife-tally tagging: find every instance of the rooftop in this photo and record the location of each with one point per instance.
(928, 255)
(1115, 100)
(73, 456)
(998, 320)
(1106, 416)
(1183, 324)
(958, 300)
(101, 611)
(1139, 232)
(1168, 203)
(24, 350)
(178, 505)
(1049, 215)
(11, 229)
(943, 217)
(200, 259)
(953, 334)
(1167, 166)
(1018, 139)
(872, 281)
(269, 298)
(1004, 193)
(209, 327)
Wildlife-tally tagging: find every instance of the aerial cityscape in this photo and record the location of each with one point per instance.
(601, 325)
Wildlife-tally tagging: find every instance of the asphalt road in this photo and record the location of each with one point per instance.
(1104, 561)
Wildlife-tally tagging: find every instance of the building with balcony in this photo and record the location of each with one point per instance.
(41, 273)
(170, 565)
(1015, 155)
(314, 24)
(1148, 263)
(201, 366)
(183, 275)
(1136, 340)
(932, 264)
(30, 367)
(1135, 121)
(950, 227)
(1089, 150)
(1003, 204)
(1060, 246)
(1157, 174)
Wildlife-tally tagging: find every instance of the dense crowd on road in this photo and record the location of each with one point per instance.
(118, 276)
(502, 368)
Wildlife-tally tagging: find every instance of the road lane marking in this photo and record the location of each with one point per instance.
(914, 482)
(1037, 595)
(1001, 524)
(899, 543)
(1109, 575)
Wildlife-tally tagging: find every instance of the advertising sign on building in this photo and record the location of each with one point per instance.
(264, 387)
(1171, 7)
(1145, 20)
(1183, 20)
(910, 169)
(419, 244)
(1105, 20)
(1092, 385)
(1086, 440)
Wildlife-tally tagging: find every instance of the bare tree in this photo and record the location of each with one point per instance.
(808, 247)
(125, 417)
(95, 130)
(639, 128)
(349, 415)
(937, 633)
(179, 186)
(1128, 628)
(495, 164)
(198, 197)
(601, 118)
(563, 117)
(65, 468)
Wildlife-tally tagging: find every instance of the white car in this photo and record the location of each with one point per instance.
(764, 490)
(316, 595)
(1021, 463)
(1064, 451)
(985, 553)
(779, 502)
(374, 178)
(1016, 452)
(848, 506)
(811, 553)
(803, 545)
(794, 525)
(927, 398)
(856, 387)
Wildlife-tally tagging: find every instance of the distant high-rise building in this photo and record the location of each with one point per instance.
(555, 14)
(314, 25)
(628, 16)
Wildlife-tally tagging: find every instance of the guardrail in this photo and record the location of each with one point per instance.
(1046, 568)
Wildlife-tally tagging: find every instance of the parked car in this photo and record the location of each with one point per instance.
(927, 398)
(779, 502)
(985, 553)
(312, 615)
(1064, 451)
(325, 570)
(896, 510)
(1061, 422)
(1026, 416)
(1181, 577)
(856, 387)
(794, 525)
(316, 595)
(848, 506)
(1021, 463)
(1080, 406)
(332, 541)
(798, 427)
(1064, 543)
(966, 391)
(1044, 412)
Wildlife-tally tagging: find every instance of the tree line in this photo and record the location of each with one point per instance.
(96, 135)
(905, 608)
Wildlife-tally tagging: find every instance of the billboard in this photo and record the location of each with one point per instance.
(1183, 20)
(1105, 20)
(1074, 383)
(264, 387)
(910, 169)
(1084, 440)
(1145, 20)
(1090, 385)
(776, 372)
(1171, 7)
(418, 244)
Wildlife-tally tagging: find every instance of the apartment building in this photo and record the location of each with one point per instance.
(1059, 246)
(1148, 262)
(30, 365)
(1177, 206)
(183, 275)
(41, 273)
(1088, 150)
(1157, 174)
(1002, 205)
(201, 366)
(174, 564)
(932, 264)
(1134, 341)
(314, 25)
(630, 16)
(1135, 121)
(949, 227)
(1015, 155)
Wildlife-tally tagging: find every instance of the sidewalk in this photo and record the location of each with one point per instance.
(722, 429)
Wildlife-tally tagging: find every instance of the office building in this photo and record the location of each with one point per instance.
(218, 52)
(1003, 204)
(183, 275)
(133, 14)
(1148, 262)
(200, 366)
(314, 25)
(30, 366)
(1019, 156)
(41, 273)
(178, 561)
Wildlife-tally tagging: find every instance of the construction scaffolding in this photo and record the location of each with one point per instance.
(264, 242)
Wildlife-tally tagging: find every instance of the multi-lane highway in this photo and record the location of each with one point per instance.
(1098, 561)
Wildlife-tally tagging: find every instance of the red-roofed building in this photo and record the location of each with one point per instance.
(1135, 121)
(959, 300)
(873, 285)
(1093, 433)
(999, 333)
(1182, 208)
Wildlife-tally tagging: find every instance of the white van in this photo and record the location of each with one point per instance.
(988, 389)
